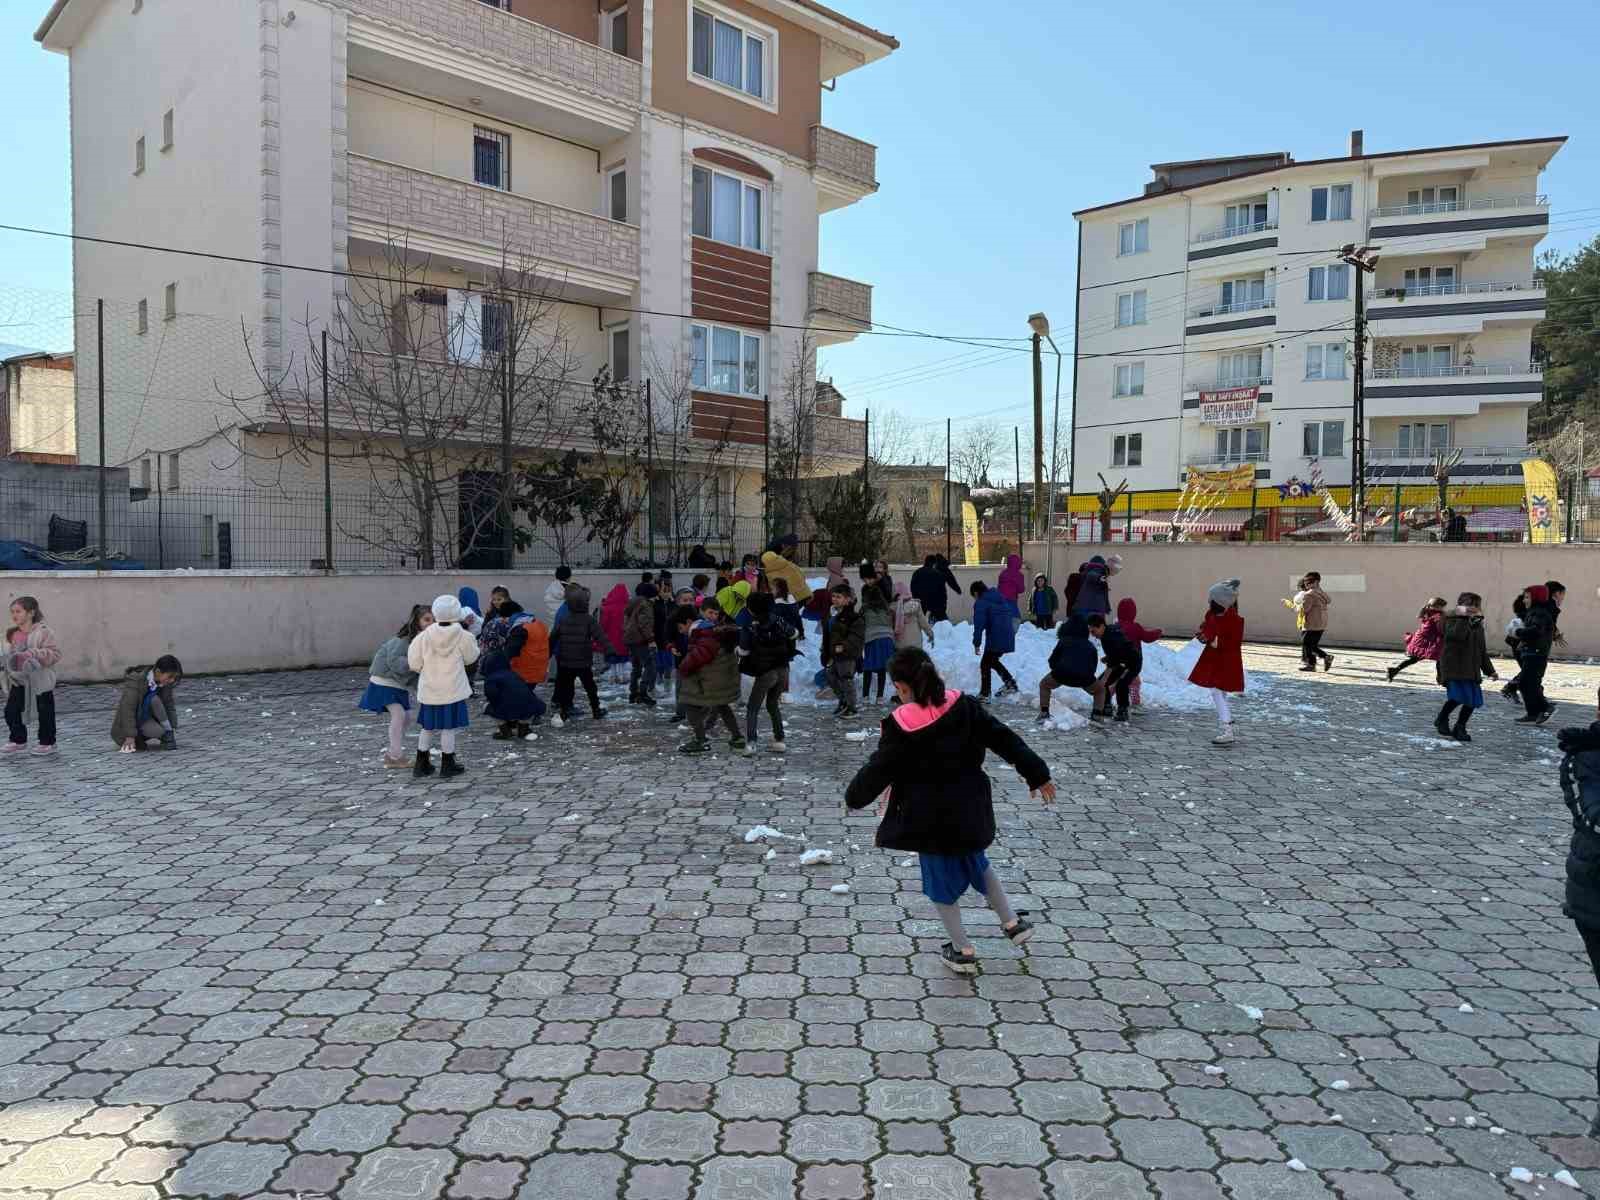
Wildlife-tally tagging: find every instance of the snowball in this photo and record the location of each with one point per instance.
(1250, 1010)
(811, 857)
(1340, 1085)
(1294, 1164)
(761, 832)
(839, 889)
(1213, 1069)
(1464, 1008)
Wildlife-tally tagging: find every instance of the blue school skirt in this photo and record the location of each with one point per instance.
(1465, 691)
(875, 655)
(664, 663)
(378, 697)
(443, 716)
(946, 876)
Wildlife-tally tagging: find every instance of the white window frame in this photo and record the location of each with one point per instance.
(1139, 237)
(1320, 356)
(768, 99)
(1223, 444)
(606, 194)
(1129, 376)
(746, 185)
(170, 296)
(1317, 280)
(171, 482)
(1320, 449)
(142, 324)
(1328, 190)
(608, 23)
(1227, 378)
(138, 155)
(1138, 308)
(1127, 450)
(700, 368)
(612, 332)
(168, 120)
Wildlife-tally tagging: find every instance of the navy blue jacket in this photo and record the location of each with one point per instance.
(995, 617)
(1074, 659)
(1580, 787)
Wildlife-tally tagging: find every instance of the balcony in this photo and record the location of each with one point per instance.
(1210, 458)
(1234, 240)
(465, 224)
(1408, 465)
(845, 168)
(1457, 390)
(838, 309)
(1223, 385)
(1461, 308)
(1469, 454)
(1456, 371)
(1459, 226)
(1217, 318)
(1481, 204)
(468, 53)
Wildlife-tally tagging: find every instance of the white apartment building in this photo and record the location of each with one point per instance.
(1224, 277)
(662, 164)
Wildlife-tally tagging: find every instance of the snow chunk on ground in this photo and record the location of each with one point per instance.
(1213, 1069)
(1522, 1174)
(1340, 1085)
(1464, 1008)
(811, 857)
(1566, 1177)
(762, 832)
(1294, 1164)
(1250, 1010)
(858, 735)
(839, 889)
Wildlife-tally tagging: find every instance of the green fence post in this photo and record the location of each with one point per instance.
(1127, 535)
(1250, 527)
(1397, 510)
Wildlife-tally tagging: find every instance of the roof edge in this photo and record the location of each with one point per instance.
(848, 24)
(49, 19)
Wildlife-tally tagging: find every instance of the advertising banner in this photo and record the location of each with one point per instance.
(1544, 508)
(969, 532)
(1235, 406)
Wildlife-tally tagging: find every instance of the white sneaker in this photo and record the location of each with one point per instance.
(1224, 735)
(779, 748)
(750, 748)
(556, 721)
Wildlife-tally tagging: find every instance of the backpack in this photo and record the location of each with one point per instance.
(771, 645)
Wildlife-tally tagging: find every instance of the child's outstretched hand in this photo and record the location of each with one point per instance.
(1046, 791)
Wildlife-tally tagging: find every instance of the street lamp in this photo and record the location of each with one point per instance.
(1040, 324)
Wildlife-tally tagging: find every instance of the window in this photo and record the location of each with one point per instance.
(1328, 283)
(496, 324)
(1127, 450)
(1420, 437)
(734, 56)
(1239, 295)
(491, 158)
(144, 473)
(1322, 439)
(172, 302)
(1436, 281)
(734, 363)
(1240, 368)
(1130, 379)
(138, 156)
(1242, 218)
(1133, 237)
(728, 209)
(617, 344)
(1427, 360)
(1244, 444)
(1429, 199)
(686, 503)
(504, 4)
(166, 130)
(143, 319)
(475, 325)
(1331, 203)
(1325, 360)
(616, 194)
(172, 472)
(1131, 308)
(614, 30)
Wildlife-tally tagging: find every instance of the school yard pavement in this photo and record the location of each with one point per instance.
(1327, 962)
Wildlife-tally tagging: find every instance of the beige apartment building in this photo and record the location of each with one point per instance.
(656, 169)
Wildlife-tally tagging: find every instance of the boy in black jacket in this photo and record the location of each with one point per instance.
(1580, 786)
(1073, 664)
(930, 760)
(842, 643)
(1124, 659)
(765, 647)
(1539, 635)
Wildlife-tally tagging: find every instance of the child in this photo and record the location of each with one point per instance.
(528, 648)
(765, 647)
(877, 635)
(440, 654)
(701, 585)
(31, 655)
(1533, 652)
(555, 593)
(930, 760)
(390, 681)
(842, 643)
(710, 673)
(680, 622)
(1310, 605)
(1426, 640)
(1073, 664)
(611, 610)
(1580, 786)
(786, 608)
(1124, 659)
(639, 636)
(1010, 583)
(1519, 610)
(1220, 668)
(574, 640)
(992, 619)
(1043, 602)
(749, 570)
(511, 699)
(1128, 622)
(733, 599)
(1463, 661)
(910, 621)
(147, 713)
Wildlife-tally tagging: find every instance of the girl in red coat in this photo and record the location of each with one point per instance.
(1221, 665)
(1426, 641)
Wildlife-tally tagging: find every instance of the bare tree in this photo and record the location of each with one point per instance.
(792, 443)
(975, 452)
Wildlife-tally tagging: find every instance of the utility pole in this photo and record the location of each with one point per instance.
(1016, 446)
(100, 370)
(327, 467)
(947, 545)
(650, 473)
(766, 469)
(1038, 433)
(1364, 262)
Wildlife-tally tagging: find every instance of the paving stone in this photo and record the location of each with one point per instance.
(562, 1176)
(1163, 1143)
(227, 1169)
(352, 1128)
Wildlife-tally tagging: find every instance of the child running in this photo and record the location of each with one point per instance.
(940, 804)
(1580, 787)
(30, 659)
(1310, 606)
(1519, 610)
(440, 654)
(994, 635)
(390, 680)
(1128, 622)
(1425, 641)
(710, 673)
(877, 635)
(1220, 668)
(1463, 664)
(573, 641)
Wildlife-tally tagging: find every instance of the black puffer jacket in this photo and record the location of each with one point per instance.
(572, 640)
(1539, 628)
(1580, 786)
(941, 801)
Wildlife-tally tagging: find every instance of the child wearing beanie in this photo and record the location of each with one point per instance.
(440, 655)
(1220, 668)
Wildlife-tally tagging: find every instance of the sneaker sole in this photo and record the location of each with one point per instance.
(960, 968)
(1020, 938)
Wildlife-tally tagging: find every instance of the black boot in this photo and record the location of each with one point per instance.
(449, 768)
(506, 732)
(424, 765)
(1441, 723)
(1460, 731)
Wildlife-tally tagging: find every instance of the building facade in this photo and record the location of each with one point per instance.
(38, 421)
(1216, 320)
(656, 168)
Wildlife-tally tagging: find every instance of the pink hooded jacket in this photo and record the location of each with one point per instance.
(1012, 585)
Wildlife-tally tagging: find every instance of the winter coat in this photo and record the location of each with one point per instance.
(1465, 656)
(31, 667)
(709, 673)
(885, 585)
(931, 760)
(1312, 606)
(778, 567)
(1539, 628)
(878, 620)
(991, 617)
(573, 639)
(1011, 583)
(639, 622)
(611, 609)
(912, 624)
(1427, 639)
(440, 655)
(1120, 650)
(131, 704)
(528, 648)
(928, 584)
(555, 595)
(847, 629)
(1128, 622)
(1074, 659)
(732, 598)
(1042, 605)
(765, 645)
(1580, 787)
(509, 697)
(390, 667)
(1221, 664)
(1094, 590)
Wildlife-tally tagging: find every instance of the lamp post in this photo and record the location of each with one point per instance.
(1040, 324)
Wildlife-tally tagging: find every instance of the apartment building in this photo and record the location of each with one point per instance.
(1216, 320)
(37, 419)
(660, 167)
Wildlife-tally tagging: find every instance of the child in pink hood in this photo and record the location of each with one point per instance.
(611, 612)
(1128, 622)
(1011, 582)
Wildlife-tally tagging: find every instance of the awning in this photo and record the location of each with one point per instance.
(1497, 520)
(1325, 526)
(1213, 522)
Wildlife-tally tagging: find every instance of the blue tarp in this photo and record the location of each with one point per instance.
(26, 556)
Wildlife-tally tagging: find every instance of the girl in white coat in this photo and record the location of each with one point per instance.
(440, 655)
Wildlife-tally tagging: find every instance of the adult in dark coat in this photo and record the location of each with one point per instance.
(928, 584)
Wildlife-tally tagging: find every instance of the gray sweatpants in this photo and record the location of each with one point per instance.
(766, 689)
(842, 678)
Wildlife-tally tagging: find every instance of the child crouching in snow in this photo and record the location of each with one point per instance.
(1462, 665)
(930, 757)
(1426, 640)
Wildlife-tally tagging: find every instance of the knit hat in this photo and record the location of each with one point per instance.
(1114, 564)
(1225, 593)
(447, 610)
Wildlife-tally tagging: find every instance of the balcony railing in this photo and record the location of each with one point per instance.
(844, 155)
(1237, 306)
(1454, 371)
(404, 198)
(1228, 231)
(525, 45)
(1525, 200)
(1210, 458)
(1468, 453)
(835, 298)
(1222, 385)
(1472, 288)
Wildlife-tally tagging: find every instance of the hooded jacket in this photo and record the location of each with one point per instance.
(1042, 605)
(731, 599)
(1539, 623)
(573, 640)
(440, 655)
(910, 622)
(1120, 650)
(931, 760)
(611, 609)
(1074, 661)
(1011, 583)
(390, 667)
(509, 697)
(709, 673)
(777, 566)
(1580, 787)
(130, 705)
(876, 616)
(1311, 604)
(528, 648)
(1128, 621)
(1465, 655)
(555, 595)
(639, 620)
(992, 618)
(1094, 592)
(1427, 639)
(766, 644)
(928, 584)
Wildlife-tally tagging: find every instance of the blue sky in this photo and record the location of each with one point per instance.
(992, 132)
